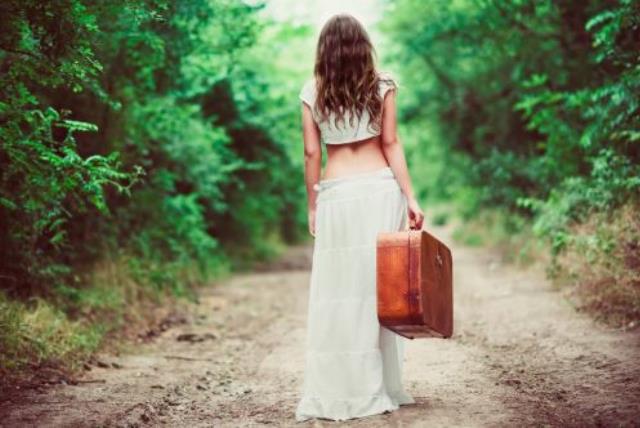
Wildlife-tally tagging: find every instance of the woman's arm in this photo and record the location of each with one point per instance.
(312, 162)
(393, 151)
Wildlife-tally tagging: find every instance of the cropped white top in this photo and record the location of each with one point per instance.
(344, 133)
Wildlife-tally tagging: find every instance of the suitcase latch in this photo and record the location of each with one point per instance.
(439, 259)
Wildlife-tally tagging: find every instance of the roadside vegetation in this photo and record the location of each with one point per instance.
(147, 147)
(526, 114)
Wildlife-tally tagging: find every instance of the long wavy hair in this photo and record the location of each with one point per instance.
(345, 73)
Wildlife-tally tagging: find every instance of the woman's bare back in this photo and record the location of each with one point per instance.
(354, 158)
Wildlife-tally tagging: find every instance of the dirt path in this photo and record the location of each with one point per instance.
(520, 356)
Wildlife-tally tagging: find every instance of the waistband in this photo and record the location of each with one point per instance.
(385, 172)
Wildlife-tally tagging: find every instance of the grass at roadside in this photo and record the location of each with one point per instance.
(510, 235)
(598, 266)
(601, 265)
(65, 327)
(113, 301)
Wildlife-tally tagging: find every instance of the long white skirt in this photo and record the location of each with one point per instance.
(353, 365)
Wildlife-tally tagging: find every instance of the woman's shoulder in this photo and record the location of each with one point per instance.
(387, 76)
(309, 83)
(387, 81)
(308, 91)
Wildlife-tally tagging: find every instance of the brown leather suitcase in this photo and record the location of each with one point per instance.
(414, 284)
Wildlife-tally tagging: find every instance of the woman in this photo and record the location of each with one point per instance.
(352, 364)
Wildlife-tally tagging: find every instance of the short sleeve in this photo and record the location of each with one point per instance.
(387, 82)
(307, 93)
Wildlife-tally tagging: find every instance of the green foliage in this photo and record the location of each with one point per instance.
(141, 125)
(44, 182)
(527, 116)
(613, 179)
(160, 133)
(539, 98)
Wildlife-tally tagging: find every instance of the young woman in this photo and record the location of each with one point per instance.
(352, 364)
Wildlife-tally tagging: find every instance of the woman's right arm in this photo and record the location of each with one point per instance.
(394, 153)
(312, 162)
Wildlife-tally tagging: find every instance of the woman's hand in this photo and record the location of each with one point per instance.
(416, 216)
(312, 222)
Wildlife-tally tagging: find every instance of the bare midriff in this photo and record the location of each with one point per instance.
(354, 158)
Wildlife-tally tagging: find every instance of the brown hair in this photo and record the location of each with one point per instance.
(346, 77)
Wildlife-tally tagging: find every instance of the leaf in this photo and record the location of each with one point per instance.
(75, 125)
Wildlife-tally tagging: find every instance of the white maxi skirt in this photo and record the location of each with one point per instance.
(353, 365)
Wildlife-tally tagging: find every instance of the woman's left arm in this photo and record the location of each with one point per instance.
(394, 152)
(312, 162)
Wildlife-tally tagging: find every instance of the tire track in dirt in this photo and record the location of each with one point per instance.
(520, 355)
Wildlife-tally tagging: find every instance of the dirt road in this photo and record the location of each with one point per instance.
(520, 356)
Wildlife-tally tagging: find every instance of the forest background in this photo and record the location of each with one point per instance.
(150, 147)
